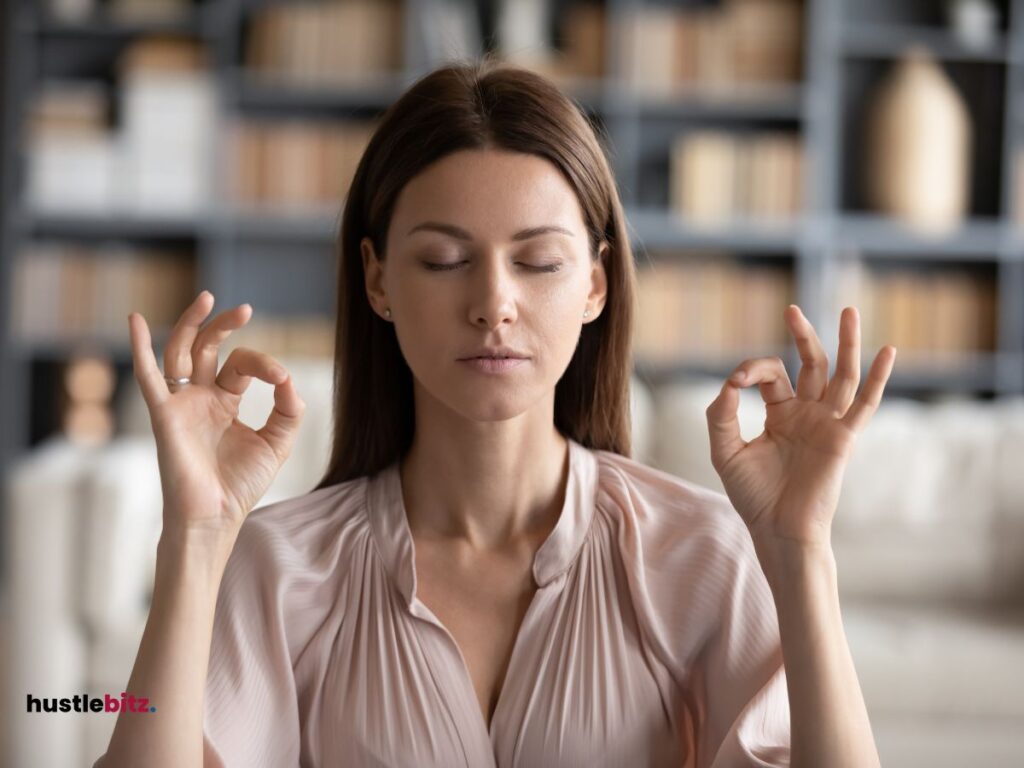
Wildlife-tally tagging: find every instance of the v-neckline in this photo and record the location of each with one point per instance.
(488, 727)
(523, 591)
(389, 526)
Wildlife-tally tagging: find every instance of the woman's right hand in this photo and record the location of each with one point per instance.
(213, 468)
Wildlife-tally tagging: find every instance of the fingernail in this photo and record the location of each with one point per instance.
(739, 376)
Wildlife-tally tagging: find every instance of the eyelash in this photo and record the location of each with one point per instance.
(450, 267)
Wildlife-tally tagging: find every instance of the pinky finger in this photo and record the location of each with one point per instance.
(867, 402)
(283, 422)
(147, 372)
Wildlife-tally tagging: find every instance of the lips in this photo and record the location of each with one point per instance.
(493, 365)
(496, 352)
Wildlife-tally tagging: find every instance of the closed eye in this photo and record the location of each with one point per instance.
(456, 265)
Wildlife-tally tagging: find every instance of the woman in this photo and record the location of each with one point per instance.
(484, 576)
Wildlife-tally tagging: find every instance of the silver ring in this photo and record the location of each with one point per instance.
(181, 382)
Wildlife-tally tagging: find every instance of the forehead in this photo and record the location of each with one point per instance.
(493, 190)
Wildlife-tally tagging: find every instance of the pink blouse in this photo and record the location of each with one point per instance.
(652, 639)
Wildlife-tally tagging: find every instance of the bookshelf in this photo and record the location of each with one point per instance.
(281, 259)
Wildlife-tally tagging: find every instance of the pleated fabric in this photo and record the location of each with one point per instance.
(652, 638)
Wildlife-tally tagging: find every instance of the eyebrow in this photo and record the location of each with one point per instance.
(461, 234)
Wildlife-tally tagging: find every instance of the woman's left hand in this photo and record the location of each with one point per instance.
(785, 483)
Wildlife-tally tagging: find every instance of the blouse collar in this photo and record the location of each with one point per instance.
(390, 527)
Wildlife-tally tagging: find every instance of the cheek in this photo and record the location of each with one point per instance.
(561, 308)
(421, 301)
(557, 335)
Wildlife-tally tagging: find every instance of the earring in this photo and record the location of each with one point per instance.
(388, 313)
(586, 312)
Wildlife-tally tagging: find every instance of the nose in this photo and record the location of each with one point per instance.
(493, 293)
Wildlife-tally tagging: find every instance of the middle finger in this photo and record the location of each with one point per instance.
(843, 387)
(206, 346)
(177, 354)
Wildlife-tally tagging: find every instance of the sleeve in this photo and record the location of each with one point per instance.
(738, 697)
(250, 707)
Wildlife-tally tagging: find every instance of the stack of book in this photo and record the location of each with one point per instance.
(931, 316)
(69, 292)
(708, 308)
(169, 105)
(717, 177)
(583, 41)
(156, 161)
(326, 43)
(734, 47)
(71, 150)
(295, 164)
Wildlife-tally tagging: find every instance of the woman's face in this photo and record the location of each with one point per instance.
(486, 248)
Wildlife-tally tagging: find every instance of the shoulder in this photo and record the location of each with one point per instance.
(694, 573)
(666, 508)
(292, 534)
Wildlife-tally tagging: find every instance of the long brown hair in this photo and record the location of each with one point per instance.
(476, 105)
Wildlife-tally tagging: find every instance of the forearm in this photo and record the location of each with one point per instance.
(829, 719)
(171, 664)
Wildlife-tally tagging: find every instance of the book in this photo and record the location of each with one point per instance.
(703, 185)
(766, 40)
(86, 292)
(583, 33)
(730, 49)
(648, 47)
(325, 45)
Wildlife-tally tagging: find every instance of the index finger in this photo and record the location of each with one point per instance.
(147, 372)
(724, 425)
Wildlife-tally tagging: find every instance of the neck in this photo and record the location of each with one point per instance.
(485, 485)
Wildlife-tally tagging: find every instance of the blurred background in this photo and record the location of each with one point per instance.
(818, 152)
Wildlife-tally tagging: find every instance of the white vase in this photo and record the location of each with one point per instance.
(918, 146)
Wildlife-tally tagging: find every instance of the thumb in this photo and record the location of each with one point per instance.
(724, 426)
(283, 423)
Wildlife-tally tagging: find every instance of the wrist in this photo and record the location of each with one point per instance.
(787, 563)
(194, 552)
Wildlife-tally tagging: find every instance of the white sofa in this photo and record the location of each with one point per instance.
(929, 546)
(929, 542)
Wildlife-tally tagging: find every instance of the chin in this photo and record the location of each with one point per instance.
(487, 400)
(483, 408)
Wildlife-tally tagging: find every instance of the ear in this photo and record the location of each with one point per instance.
(598, 284)
(373, 271)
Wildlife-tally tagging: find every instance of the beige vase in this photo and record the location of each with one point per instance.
(918, 146)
